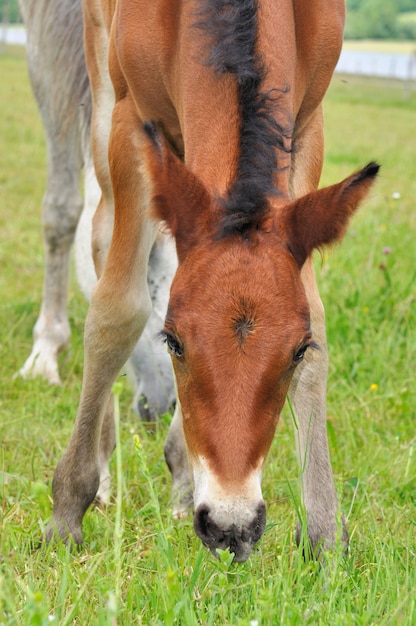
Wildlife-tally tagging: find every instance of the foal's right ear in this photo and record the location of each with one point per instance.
(177, 196)
(321, 217)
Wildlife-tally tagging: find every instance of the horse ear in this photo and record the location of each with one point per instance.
(321, 217)
(177, 196)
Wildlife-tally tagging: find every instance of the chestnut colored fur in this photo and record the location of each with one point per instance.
(216, 130)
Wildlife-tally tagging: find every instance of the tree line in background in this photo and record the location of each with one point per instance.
(381, 19)
(366, 19)
(9, 12)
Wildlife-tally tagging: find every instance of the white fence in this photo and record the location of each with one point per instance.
(12, 34)
(383, 64)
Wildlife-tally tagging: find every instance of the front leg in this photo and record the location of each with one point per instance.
(120, 307)
(176, 457)
(112, 328)
(308, 397)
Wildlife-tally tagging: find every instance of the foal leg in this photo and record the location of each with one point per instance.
(308, 397)
(87, 279)
(308, 388)
(119, 309)
(177, 460)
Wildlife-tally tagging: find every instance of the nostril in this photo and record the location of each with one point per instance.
(201, 522)
(206, 529)
(259, 523)
(239, 540)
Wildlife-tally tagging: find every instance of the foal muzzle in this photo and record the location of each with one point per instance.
(223, 529)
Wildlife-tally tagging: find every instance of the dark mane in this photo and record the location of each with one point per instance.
(232, 29)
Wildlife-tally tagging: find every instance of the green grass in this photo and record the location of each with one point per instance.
(380, 45)
(139, 567)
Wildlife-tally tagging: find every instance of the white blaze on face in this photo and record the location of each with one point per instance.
(226, 515)
(234, 506)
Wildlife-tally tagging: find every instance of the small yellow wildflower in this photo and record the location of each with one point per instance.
(373, 387)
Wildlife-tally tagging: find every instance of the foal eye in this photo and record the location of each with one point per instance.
(174, 347)
(298, 356)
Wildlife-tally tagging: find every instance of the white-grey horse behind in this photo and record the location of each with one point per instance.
(60, 84)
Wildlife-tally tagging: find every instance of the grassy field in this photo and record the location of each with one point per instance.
(380, 45)
(137, 566)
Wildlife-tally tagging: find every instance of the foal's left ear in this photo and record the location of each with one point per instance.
(177, 196)
(321, 217)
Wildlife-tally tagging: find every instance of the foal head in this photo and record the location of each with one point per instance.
(237, 327)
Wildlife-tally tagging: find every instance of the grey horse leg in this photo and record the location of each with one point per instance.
(61, 88)
(61, 209)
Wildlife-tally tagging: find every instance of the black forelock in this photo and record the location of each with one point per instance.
(232, 29)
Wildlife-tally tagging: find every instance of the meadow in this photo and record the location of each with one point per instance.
(380, 45)
(137, 566)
